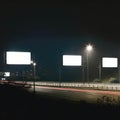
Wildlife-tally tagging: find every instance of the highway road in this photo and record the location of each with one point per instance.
(56, 103)
(76, 103)
(77, 94)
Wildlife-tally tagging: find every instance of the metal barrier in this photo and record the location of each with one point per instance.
(100, 86)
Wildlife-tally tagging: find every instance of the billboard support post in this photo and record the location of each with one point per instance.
(100, 70)
(119, 73)
(59, 76)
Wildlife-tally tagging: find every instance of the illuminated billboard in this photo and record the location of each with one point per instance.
(109, 62)
(72, 60)
(18, 58)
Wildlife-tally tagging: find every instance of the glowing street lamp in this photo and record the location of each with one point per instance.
(89, 48)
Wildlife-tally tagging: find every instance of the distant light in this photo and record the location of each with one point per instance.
(18, 58)
(3, 78)
(34, 64)
(6, 74)
(109, 62)
(72, 60)
(89, 47)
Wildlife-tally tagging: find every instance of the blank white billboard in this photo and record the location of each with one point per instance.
(18, 58)
(109, 62)
(72, 60)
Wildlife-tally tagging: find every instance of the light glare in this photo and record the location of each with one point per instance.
(89, 47)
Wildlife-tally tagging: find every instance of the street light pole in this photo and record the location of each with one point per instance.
(34, 74)
(34, 68)
(88, 50)
(83, 70)
(87, 68)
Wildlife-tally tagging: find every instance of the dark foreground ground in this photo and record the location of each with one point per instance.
(18, 104)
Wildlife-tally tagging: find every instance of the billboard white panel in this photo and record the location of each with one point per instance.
(18, 58)
(72, 60)
(109, 62)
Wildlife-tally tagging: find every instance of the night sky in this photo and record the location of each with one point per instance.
(51, 30)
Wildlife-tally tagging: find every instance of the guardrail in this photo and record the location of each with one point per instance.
(15, 83)
(101, 86)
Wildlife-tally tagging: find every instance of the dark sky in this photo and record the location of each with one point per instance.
(50, 30)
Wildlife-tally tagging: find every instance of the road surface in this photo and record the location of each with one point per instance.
(53, 103)
(77, 95)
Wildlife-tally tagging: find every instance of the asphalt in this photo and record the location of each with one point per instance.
(17, 103)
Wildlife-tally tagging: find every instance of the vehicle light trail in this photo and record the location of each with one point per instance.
(81, 90)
